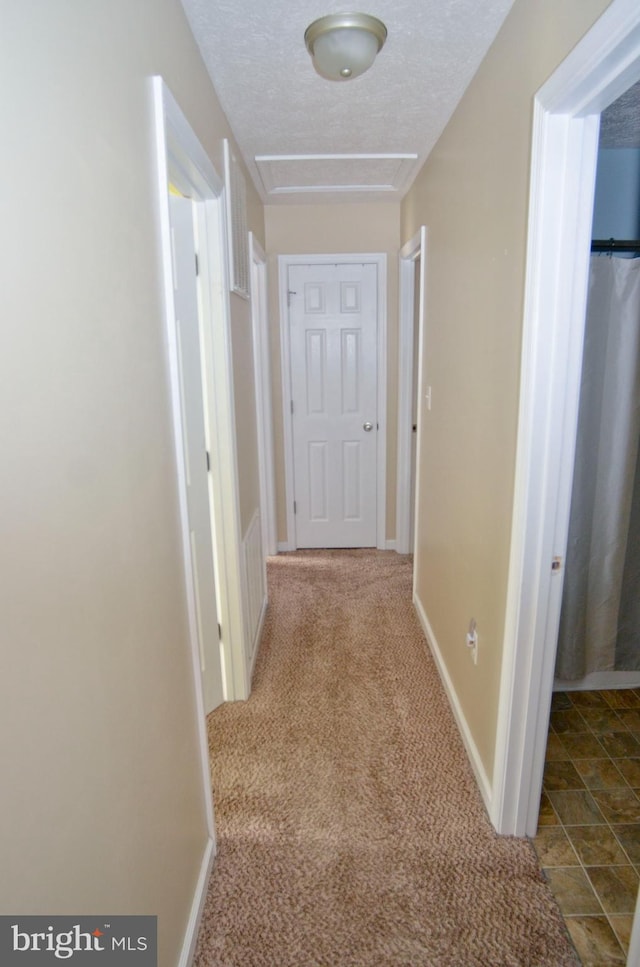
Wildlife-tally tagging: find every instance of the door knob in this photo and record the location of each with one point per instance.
(367, 427)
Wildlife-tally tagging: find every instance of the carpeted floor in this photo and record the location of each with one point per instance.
(350, 829)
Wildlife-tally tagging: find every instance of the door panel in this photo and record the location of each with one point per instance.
(350, 371)
(318, 482)
(315, 372)
(195, 454)
(352, 496)
(333, 342)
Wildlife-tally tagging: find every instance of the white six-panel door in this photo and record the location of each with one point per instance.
(333, 317)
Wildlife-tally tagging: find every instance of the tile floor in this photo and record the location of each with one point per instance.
(588, 838)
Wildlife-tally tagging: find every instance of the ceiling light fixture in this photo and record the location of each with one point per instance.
(344, 45)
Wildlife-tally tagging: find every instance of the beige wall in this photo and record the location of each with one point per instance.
(472, 195)
(102, 802)
(315, 230)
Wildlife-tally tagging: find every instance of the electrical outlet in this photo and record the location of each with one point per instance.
(472, 640)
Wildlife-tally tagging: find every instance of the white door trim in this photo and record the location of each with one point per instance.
(169, 122)
(564, 156)
(182, 160)
(413, 250)
(264, 411)
(380, 260)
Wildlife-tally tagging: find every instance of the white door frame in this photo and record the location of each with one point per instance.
(179, 158)
(264, 410)
(414, 249)
(564, 156)
(187, 304)
(182, 160)
(380, 261)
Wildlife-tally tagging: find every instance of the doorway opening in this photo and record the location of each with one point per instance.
(564, 157)
(202, 587)
(334, 370)
(183, 163)
(599, 640)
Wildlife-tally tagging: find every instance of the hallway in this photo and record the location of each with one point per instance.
(348, 821)
(350, 828)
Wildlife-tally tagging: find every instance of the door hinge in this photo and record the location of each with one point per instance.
(290, 292)
(292, 406)
(208, 461)
(295, 507)
(556, 564)
(197, 265)
(219, 630)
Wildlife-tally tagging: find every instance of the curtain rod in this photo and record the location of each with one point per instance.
(615, 245)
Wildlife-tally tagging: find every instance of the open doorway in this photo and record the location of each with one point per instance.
(599, 639)
(588, 825)
(198, 216)
(183, 163)
(564, 157)
(193, 446)
(334, 364)
(566, 128)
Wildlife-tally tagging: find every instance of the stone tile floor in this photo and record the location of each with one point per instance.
(588, 839)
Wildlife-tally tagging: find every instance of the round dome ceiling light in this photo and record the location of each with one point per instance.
(344, 45)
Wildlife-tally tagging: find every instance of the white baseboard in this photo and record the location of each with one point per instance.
(263, 615)
(197, 906)
(284, 546)
(599, 680)
(255, 586)
(467, 738)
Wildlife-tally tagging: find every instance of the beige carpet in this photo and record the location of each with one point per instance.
(350, 829)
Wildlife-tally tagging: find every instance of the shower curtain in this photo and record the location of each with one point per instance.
(600, 618)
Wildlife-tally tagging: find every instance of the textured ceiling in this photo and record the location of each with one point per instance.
(282, 112)
(620, 122)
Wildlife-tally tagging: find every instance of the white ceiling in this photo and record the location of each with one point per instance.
(306, 139)
(620, 122)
